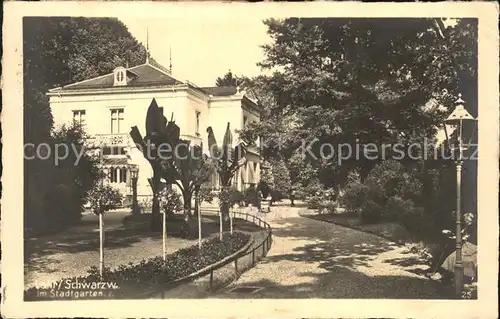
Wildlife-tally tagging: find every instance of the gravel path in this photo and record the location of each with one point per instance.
(314, 259)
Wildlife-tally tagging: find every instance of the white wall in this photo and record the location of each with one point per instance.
(223, 111)
(196, 103)
(183, 103)
(135, 105)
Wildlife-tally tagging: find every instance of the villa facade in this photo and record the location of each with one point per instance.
(108, 106)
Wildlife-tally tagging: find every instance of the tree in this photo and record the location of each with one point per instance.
(266, 179)
(333, 84)
(103, 199)
(162, 138)
(276, 180)
(58, 189)
(189, 171)
(226, 160)
(229, 79)
(59, 51)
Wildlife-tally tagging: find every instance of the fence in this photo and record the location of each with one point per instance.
(247, 259)
(224, 272)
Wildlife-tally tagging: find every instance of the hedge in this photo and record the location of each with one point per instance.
(132, 280)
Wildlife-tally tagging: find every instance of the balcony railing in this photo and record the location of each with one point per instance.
(110, 139)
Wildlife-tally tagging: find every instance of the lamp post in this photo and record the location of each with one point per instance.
(457, 119)
(134, 175)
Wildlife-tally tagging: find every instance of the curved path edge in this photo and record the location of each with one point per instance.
(310, 216)
(205, 283)
(159, 292)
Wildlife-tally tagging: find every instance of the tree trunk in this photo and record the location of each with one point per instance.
(155, 221)
(198, 214)
(225, 212)
(101, 245)
(224, 209)
(164, 236)
(187, 203)
(196, 203)
(187, 214)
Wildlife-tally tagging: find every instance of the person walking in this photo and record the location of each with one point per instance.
(259, 200)
(292, 197)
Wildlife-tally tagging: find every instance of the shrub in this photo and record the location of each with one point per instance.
(276, 180)
(314, 202)
(354, 197)
(412, 217)
(172, 202)
(300, 191)
(390, 178)
(388, 193)
(104, 198)
(323, 200)
(330, 206)
(232, 196)
(235, 196)
(133, 279)
(55, 194)
(207, 194)
(370, 212)
(251, 196)
(146, 203)
(264, 188)
(282, 183)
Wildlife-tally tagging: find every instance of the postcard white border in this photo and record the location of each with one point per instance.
(12, 203)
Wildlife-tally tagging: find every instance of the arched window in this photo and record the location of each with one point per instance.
(123, 175)
(113, 175)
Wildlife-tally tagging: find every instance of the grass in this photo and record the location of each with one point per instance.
(69, 253)
(389, 230)
(137, 279)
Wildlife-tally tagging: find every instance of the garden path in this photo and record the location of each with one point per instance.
(315, 259)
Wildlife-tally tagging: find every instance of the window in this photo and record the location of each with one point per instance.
(123, 175)
(120, 76)
(116, 121)
(79, 116)
(197, 123)
(118, 175)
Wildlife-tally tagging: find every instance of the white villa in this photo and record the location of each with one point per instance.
(109, 105)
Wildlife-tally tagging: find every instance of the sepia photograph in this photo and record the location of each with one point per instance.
(252, 157)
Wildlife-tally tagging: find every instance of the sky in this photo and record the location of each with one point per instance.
(203, 49)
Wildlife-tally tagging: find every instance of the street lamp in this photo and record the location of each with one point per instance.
(134, 175)
(457, 118)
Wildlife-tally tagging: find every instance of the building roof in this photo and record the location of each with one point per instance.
(143, 75)
(220, 90)
(149, 74)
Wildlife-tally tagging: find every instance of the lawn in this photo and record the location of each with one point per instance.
(72, 252)
(152, 275)
(389, 230)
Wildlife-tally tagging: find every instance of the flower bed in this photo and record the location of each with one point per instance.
(132, 280)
